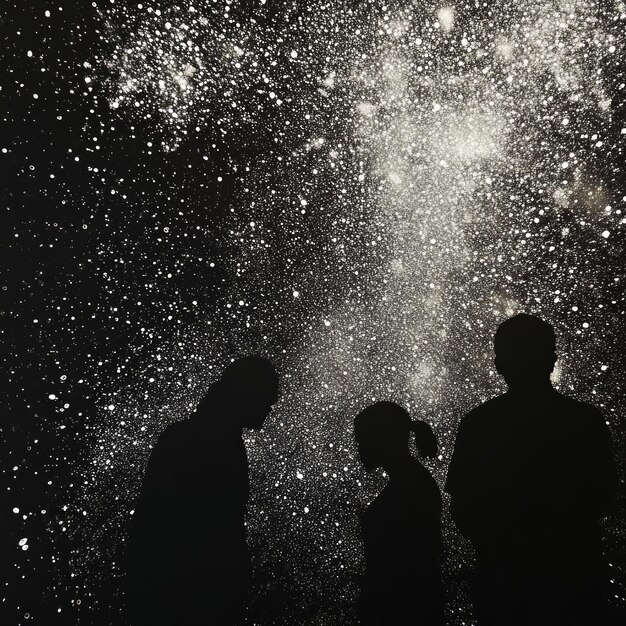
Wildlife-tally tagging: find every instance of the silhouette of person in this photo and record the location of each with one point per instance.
(188, 558)
(531, 477)
(402, 526)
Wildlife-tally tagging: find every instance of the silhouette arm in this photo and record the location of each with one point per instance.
(601, 484)
(154, 503)
(460, 480)
(475, 501)
(144, 556)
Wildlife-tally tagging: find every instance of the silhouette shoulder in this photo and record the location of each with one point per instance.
(172, 436)
(583, 408)
(473, 430)
(482, 412)
(172, 445)
(586, 416)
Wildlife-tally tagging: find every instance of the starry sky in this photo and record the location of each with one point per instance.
(360, 191)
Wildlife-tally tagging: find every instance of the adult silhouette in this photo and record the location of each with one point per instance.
(531, 477)
(402, 526)
(188, 558)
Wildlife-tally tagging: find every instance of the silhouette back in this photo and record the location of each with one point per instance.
(530, 478)
(188, 559)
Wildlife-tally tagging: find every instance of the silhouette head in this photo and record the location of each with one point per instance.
(525, 348)
(247, 388)
(382, 435)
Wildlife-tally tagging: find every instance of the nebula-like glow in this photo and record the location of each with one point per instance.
(360, 192)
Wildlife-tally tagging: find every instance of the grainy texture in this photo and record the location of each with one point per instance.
(360, 194)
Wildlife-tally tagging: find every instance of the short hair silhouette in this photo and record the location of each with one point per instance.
(391, 425)
(246, 380)
(524, 333)
(252, 372)
(525, 345)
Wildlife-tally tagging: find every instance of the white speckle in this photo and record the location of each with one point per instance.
(52, 397)
(326, 323)
(296, 294)
(606, 234)
(299, 475)
(111, 407)
(23, 541)
(294, 54)
(565, 121)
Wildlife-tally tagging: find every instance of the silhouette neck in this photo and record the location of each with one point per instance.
(529, 387)
(397, 465)
(219, 417)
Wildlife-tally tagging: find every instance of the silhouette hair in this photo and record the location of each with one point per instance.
(525, 334)
(425, 439)
(245, 374)
(255, 371)
(390, 422)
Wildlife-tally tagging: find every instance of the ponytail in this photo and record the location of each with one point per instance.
(425, 439)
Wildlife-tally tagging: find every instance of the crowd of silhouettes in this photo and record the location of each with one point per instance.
(531, 478)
